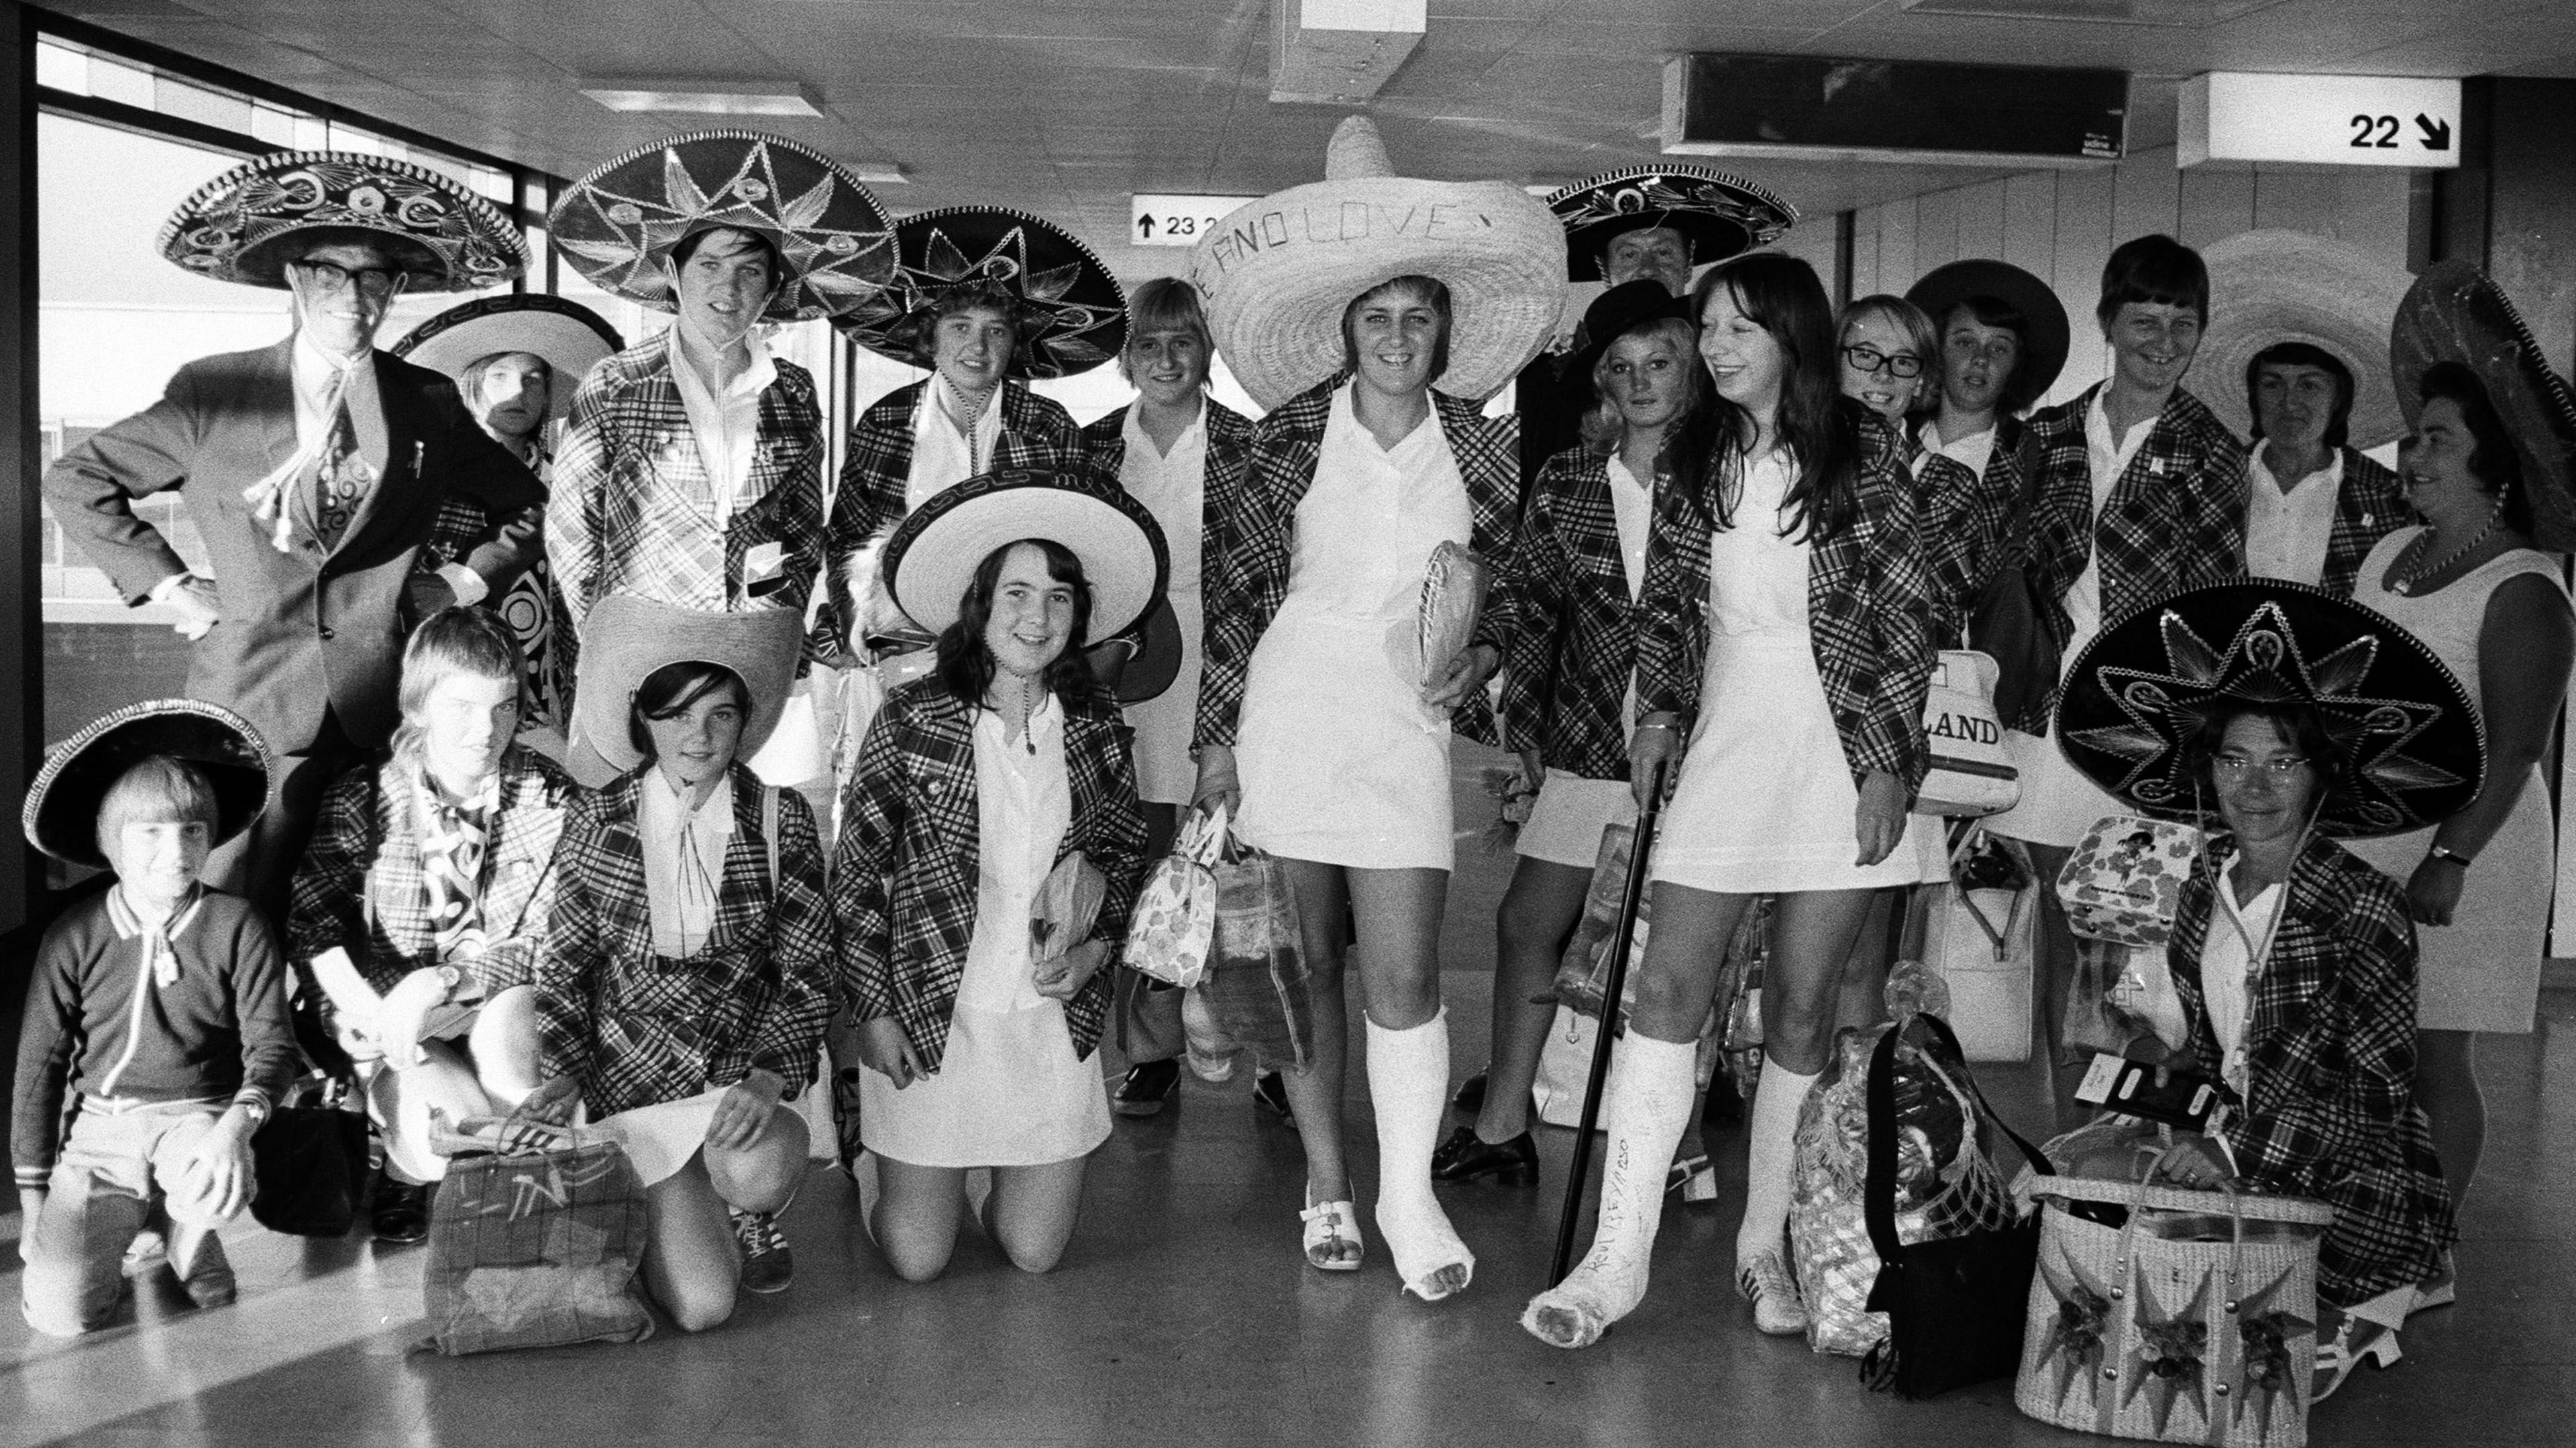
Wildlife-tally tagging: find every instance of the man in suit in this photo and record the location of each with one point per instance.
(313, 469)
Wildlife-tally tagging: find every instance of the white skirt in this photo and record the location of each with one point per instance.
(1567, 819)
(659, 1139)
(1340, 761)
(2481, 972)
(1009, 1092)
(1766, 802)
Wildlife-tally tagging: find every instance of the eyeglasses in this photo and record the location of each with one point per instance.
(1870, 359)
(2235, 765)
(373, 281)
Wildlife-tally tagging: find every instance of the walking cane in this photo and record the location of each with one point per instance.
(1614, 982)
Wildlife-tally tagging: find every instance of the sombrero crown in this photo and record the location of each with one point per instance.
(935, 551)
(245, 225)
(1720, 215)
(1074, 313)
(2269, 287)
(569, 336)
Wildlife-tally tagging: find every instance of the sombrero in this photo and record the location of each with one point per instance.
(569, 336)
(60, 816)
(627, 637)
(2456, 313)
(2044, 351)
(618, 223)
(1613, 315)
(245, 225)
(1075, 311)
(935, 551)
(1155, 665)
(1720, 215)
(1279, 273)
(2268, 287)
(2144, 687)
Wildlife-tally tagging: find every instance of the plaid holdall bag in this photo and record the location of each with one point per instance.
(535, 1239)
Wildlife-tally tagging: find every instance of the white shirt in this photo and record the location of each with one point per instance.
(2240, 939)
(684, 855)
(1631, 502)
(1024, 804)
(313, 369)
(1173, 487)
(2108, 456)
(944, 453)
(2286, 533)
(727, 427)
(1972, 452)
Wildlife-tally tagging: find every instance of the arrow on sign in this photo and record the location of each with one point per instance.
(1145, 224)
(2437, 134)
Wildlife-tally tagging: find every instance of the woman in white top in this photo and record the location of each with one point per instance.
(2470, 584)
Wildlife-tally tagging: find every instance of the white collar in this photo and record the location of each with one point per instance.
(952, 404)
(762, 368)
(716, 808)
(2332, 472)
(1133, 430)
(311, 361)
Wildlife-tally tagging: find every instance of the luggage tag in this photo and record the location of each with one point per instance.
(2151, 1093)
(764, 569)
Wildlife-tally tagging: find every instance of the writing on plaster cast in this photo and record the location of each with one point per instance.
(1246, 235)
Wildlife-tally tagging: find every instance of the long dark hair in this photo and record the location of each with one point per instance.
(966, 666)
(1820, 427)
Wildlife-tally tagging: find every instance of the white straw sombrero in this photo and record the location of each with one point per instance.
(2268, 287)
(935, 551)
(627, 638)
(1278, 274)
(569, 336)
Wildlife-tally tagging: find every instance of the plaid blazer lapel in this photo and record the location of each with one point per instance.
(2369, 506)
(613, 868)
(1573, 637)
(1869, 606)
(1104, 443)
(1037, 434)
(2176, 518)
(523, 839)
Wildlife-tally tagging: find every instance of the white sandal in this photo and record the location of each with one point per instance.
(1328, 1226)
(2356, 1343)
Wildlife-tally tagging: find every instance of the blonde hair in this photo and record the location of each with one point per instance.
(1602, 425)
(1165, 304)
(455, 640)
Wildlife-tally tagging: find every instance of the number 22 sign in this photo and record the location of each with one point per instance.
(1177, 220)
(2324, 120)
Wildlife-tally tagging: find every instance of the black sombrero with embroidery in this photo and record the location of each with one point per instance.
(569, 336)
(1720, 215)
(1075, 313)
(2142, 691)
(2456, 313)
(619, 223)
(245, 225)
(935, 551)
(60, 816)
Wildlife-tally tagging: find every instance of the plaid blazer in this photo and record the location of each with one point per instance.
(637, 1029)
(2368, 507)
(628, 441)
(360, 886)
(905, 873)
(2175, 519)
(1869, 610)
(1245, 594)
(2332, 1050)
(1573, 645)
(1229, 448)
(1967, 525)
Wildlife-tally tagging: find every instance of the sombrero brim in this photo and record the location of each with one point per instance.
(1946, 286)
(1157, 663)
(245, 225)
(1614, 314)
(1721, 215)
(2456, 313)
(1076, 313)
(2270, 287)
(934, 553)
(60, 815)
(1278, 274)
(626, 638)
(569, 336)
(618, 223)
(2144, 688)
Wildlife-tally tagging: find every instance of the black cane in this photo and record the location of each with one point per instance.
(1614, 982)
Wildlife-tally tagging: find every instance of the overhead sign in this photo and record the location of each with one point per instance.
(2321, 120)
(1820, 108)
(1177, 220)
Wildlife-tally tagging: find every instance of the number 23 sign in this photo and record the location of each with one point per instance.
(2325, 120)
(1177, 220)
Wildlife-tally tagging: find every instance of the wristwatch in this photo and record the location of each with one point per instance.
(450, 977)
(2445, 852)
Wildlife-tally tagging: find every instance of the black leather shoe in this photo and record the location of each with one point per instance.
(1725, 1107)
(1146, 1088)
(400, 1213)
(1464, 1158)
(1271, 1094)
(1471, 1094)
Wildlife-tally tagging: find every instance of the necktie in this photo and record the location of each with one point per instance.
(267, 497)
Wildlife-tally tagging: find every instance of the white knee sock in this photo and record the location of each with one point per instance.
(1770, 1156)
(1408, 1074)
(1650, 1092)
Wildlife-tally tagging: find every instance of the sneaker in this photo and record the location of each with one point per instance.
(1765, 1282)
(209, 1279)
(768, 1264)
(1271, 1095)
(149, 1249)
(1146, 1088)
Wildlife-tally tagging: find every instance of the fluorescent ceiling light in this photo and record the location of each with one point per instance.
(706, 97)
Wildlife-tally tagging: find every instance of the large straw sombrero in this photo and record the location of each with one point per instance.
(2143, 689)
(1074, 311)
(1278, 274)
(245, 225)
(569, 336)
(60, 815)
(2456, 313)
(935, 551)
(2044, 352)
(626, 638)
(618, 223)
(2268, 287)
(1720, 215)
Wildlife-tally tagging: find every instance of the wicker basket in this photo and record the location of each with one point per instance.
(2136, 1333)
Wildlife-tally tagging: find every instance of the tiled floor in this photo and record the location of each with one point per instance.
(1182, 1316)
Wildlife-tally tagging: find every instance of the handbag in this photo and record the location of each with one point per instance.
(2148, 1330)
(2124, 880)
(1148, 1016)
(1171, 932)
(1955, 1303)
(1971, 774)
(535, 1239)
(1255, 990)
(309, 1164)
(1980, 936)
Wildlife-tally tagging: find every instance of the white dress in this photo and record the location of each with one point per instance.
(1766, 801)
(1009, 1090)
(1340, 760)
(2481, 972)
(1567, 818)
(1173, 487)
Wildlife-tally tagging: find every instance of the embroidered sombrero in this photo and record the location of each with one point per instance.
(627, 637)
(2456, 313)
(935, 551)
(2267, 287)
(618, 223)
(1279, 273)
(245, 225)
(1720, 215)
(2043, 315)
(1075, 313)
(569, 336)
(2143, 689)
(60, 816)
